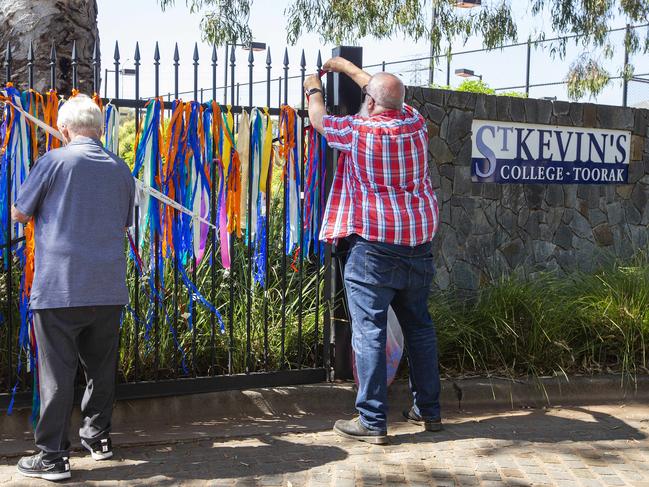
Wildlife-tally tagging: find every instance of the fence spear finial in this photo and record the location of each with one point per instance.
(176, 54)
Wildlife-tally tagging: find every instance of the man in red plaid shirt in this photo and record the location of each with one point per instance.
(382, 202)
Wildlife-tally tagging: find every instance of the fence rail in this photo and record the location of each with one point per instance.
(277, 335)
(427, 65)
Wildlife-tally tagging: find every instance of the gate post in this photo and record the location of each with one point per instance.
(343, 97)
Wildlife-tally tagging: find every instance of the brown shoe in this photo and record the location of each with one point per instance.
(428, 424)
(355, 430)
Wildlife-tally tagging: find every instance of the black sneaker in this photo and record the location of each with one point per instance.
(99, 448)
(37, 467)
(428, 424)
(355, 430)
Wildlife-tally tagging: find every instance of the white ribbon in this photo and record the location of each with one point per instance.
(141, 187)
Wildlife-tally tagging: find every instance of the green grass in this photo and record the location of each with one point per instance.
(267, 301)
(554, 324)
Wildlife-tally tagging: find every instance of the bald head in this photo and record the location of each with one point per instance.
(387, 90)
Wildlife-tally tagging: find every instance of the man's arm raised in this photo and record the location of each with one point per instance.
(342, 65)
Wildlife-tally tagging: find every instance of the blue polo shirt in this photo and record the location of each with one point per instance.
(81, 197)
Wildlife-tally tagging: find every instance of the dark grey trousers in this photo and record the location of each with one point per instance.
(66, 337)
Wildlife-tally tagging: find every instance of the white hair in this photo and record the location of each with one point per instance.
(387, 90)
(82, 116)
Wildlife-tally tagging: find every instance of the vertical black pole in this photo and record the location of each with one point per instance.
(30, 65)
(116, 63)
(213, 171)
(383, 68)
(329, 269)
(286, 76)
(300, 218)
(279, 87)
(249, 274)
(176, 67)
(156, 69)
(176, 217)
(268, 226)
(284, 235)
(225, 76)
(194, 264)
(195, 58)
(53, 67)
(74, 86)
(527, 67)
(8, 236)
(232, 250)
(317, 262)
(344, 97)
(156, 243)
(268, 68)
(214, 63)
(74, 62)
(232, 66)
(136, 219)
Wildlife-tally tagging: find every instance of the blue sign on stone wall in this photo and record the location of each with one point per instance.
(518, 153)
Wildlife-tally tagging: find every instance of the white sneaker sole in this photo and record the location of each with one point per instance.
(97, 456)
(47, 476)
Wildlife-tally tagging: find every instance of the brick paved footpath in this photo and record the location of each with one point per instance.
(576, 446)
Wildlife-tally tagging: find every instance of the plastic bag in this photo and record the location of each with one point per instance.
(393, 347)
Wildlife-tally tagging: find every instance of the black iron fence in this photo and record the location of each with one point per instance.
(276, 335)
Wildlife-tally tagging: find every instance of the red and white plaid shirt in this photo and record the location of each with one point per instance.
(382, 190)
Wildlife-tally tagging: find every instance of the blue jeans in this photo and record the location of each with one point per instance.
(378, 275)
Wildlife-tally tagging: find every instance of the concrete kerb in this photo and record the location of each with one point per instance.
(231, 414)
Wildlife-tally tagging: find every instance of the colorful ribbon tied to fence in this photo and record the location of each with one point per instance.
(194, 174)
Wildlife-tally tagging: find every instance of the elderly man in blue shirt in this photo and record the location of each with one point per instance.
(81, 197)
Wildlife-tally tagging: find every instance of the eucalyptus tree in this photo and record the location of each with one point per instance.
(346, 21)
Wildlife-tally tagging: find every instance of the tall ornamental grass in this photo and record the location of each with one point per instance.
(552, 324)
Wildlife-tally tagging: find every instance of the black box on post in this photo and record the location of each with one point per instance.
(344, 95)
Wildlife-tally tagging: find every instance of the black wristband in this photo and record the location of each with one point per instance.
(313, 91)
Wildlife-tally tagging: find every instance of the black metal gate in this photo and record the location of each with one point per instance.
(274, 336)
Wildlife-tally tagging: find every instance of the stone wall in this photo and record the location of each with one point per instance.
(490, 230)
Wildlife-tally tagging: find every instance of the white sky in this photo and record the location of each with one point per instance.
(142, 20)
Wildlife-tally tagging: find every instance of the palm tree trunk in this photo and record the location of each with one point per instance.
(45, 23)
